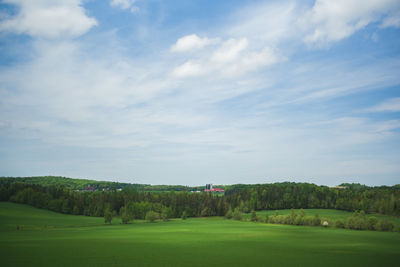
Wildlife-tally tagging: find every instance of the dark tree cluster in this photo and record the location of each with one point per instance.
(129, 202)
(384, 199)
(133, 204)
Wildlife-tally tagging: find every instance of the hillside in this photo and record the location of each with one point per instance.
(82, 184)
(74, 241)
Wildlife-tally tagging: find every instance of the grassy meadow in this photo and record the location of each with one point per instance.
(51, 239)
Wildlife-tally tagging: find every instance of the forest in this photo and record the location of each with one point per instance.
(246, 198)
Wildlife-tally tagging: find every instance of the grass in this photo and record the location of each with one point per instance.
(30, 218)
(323, 213)
(83, 241)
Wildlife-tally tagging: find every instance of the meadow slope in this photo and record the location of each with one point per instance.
(82, 241)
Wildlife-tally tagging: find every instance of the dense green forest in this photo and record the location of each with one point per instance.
(136, 203)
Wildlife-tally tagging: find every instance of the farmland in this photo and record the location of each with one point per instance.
(46, 238)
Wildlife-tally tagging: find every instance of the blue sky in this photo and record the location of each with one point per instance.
(195, 92)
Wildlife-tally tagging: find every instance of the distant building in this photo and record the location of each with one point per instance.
(90, 188)
(338, 187)
(210, 188)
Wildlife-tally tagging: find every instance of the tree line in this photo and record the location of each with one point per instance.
(357, 221)
(136, 204)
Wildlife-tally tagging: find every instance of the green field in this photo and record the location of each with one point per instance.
(83, 241)
(323, 213)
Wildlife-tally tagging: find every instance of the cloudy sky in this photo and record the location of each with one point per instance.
(195, 92)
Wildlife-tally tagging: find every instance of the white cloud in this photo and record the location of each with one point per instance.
(391, 105)
(230, 50)
(252, 61)
(192, 43)
(48, 18)
(231, 58)
(123, 4)
(189, 69)
(268, 22)
(392, 20)
(330, 21)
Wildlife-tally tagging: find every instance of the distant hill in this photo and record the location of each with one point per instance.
(82, 184)
(69, 183)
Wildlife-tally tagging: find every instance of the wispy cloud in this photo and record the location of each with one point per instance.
(192, 43)
(125, 5)
(390, 105)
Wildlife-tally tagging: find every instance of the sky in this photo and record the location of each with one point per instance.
(196, 92)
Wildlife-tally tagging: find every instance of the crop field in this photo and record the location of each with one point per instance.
(51, 239)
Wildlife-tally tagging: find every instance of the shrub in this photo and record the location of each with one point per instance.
(325, 224)
(300, 220)
(371, 223)
(339, 224)
(291, 219)
(108, 216)
(308, 220)
(385, 225)
(206, 212)
(237, 215)
(253, 216)
(228, 214)
(280, 219)
(356, 222)
(316, 220)
(125, 216)
(184, 215)
(164, 214)
(75, 210)
(151, 216)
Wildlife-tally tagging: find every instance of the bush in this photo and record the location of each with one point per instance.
(205, 212)
(291, 219)
(253, 216)
(151, 216)
(308, 220)
(280, 219)
(228, 214)
(385, 225)
(356, 222)
(164, 214)
(316, 220)
(75, 210)
(125, 216)
(339, 224)
(108, 216)
(237, 215)
(266, 220)
(299, 220)
(371, 223)
(184, 215)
